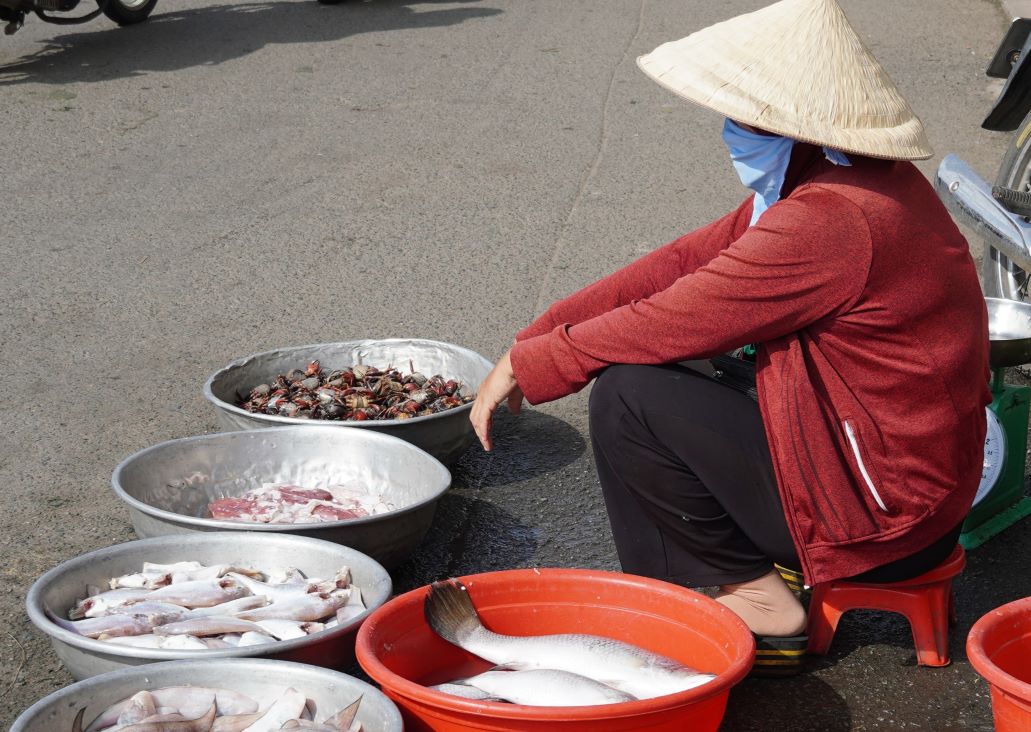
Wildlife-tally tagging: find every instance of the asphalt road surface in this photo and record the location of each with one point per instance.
(230, 177)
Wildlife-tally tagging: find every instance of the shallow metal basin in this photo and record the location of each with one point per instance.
(1009, 332)
(65, 584)
(261, 679)
(445, 435)
(168, 486)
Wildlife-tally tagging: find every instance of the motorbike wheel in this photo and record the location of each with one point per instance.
(129, 12)
(1002, 278)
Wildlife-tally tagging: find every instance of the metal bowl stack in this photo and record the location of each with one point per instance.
(168, 486)
(61, 587)
(261, 679)
(445, 435)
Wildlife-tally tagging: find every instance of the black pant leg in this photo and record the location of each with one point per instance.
(687, 477)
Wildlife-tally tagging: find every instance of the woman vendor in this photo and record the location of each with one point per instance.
(858, 452)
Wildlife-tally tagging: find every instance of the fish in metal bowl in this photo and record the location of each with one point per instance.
(214, 595)
(358, 384)
(219, 482)
(227, 694)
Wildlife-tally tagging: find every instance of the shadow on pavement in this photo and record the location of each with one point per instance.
(468, 536)
(801, 703)
(526, 445)
(212, 35)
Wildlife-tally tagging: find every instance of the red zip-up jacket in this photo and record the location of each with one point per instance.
(872, 363)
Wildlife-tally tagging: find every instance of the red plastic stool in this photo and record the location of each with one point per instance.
(926, 601)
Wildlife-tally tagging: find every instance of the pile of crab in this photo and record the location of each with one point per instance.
(356, 393)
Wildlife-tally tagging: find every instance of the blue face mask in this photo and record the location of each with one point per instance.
(761, 162)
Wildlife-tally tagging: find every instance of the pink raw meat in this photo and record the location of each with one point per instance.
(238, 509)
(294, 494)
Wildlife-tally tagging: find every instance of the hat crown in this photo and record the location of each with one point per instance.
(796, 68)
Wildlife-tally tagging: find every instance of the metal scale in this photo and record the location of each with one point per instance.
(1000, 501)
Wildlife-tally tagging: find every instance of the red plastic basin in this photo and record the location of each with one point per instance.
(999, 648)
(401, 652)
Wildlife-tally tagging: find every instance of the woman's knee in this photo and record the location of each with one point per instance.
(612, 396)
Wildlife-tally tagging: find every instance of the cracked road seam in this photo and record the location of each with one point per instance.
(592, 170)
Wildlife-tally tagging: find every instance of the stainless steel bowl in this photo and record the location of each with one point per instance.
(445, 435)
(169, 486)
(61, 587)
(261, 679)
(1009, 332)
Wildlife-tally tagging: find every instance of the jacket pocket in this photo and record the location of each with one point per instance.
(854, 443)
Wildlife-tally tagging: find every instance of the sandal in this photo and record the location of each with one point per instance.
(779, 656)
(796, 583)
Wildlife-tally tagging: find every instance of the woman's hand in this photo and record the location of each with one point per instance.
(499, 385)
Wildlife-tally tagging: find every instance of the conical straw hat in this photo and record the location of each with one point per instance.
(798, 69)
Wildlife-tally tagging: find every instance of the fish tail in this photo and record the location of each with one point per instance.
(450, 611)
(59, 621)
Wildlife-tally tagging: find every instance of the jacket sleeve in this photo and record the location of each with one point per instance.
(807, 259)
(646, 276)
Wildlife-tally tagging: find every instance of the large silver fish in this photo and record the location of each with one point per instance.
(546, 687)
(464, 691)
(450, 612)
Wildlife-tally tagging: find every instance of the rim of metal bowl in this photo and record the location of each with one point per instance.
(368, 424)
(34, 605)
(162, 513)
(186, 665)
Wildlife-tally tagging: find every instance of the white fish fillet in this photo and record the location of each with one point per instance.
(289, 706)
(146, 607)
(144, 580)
(252, 638)
(281, 629)
(141, 706)
(137, 641)
(100, 603)
(108, 626)
(201, 593)
(230, 608)
(205, 626)
(353, 608)
(236, 722)
(312, 606)
(275, 592)
(184, 643)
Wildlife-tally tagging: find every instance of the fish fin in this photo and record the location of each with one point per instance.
(450, 611)
(342, 719)
(77, 724)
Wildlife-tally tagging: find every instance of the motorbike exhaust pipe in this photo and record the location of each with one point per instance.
(968, 197)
